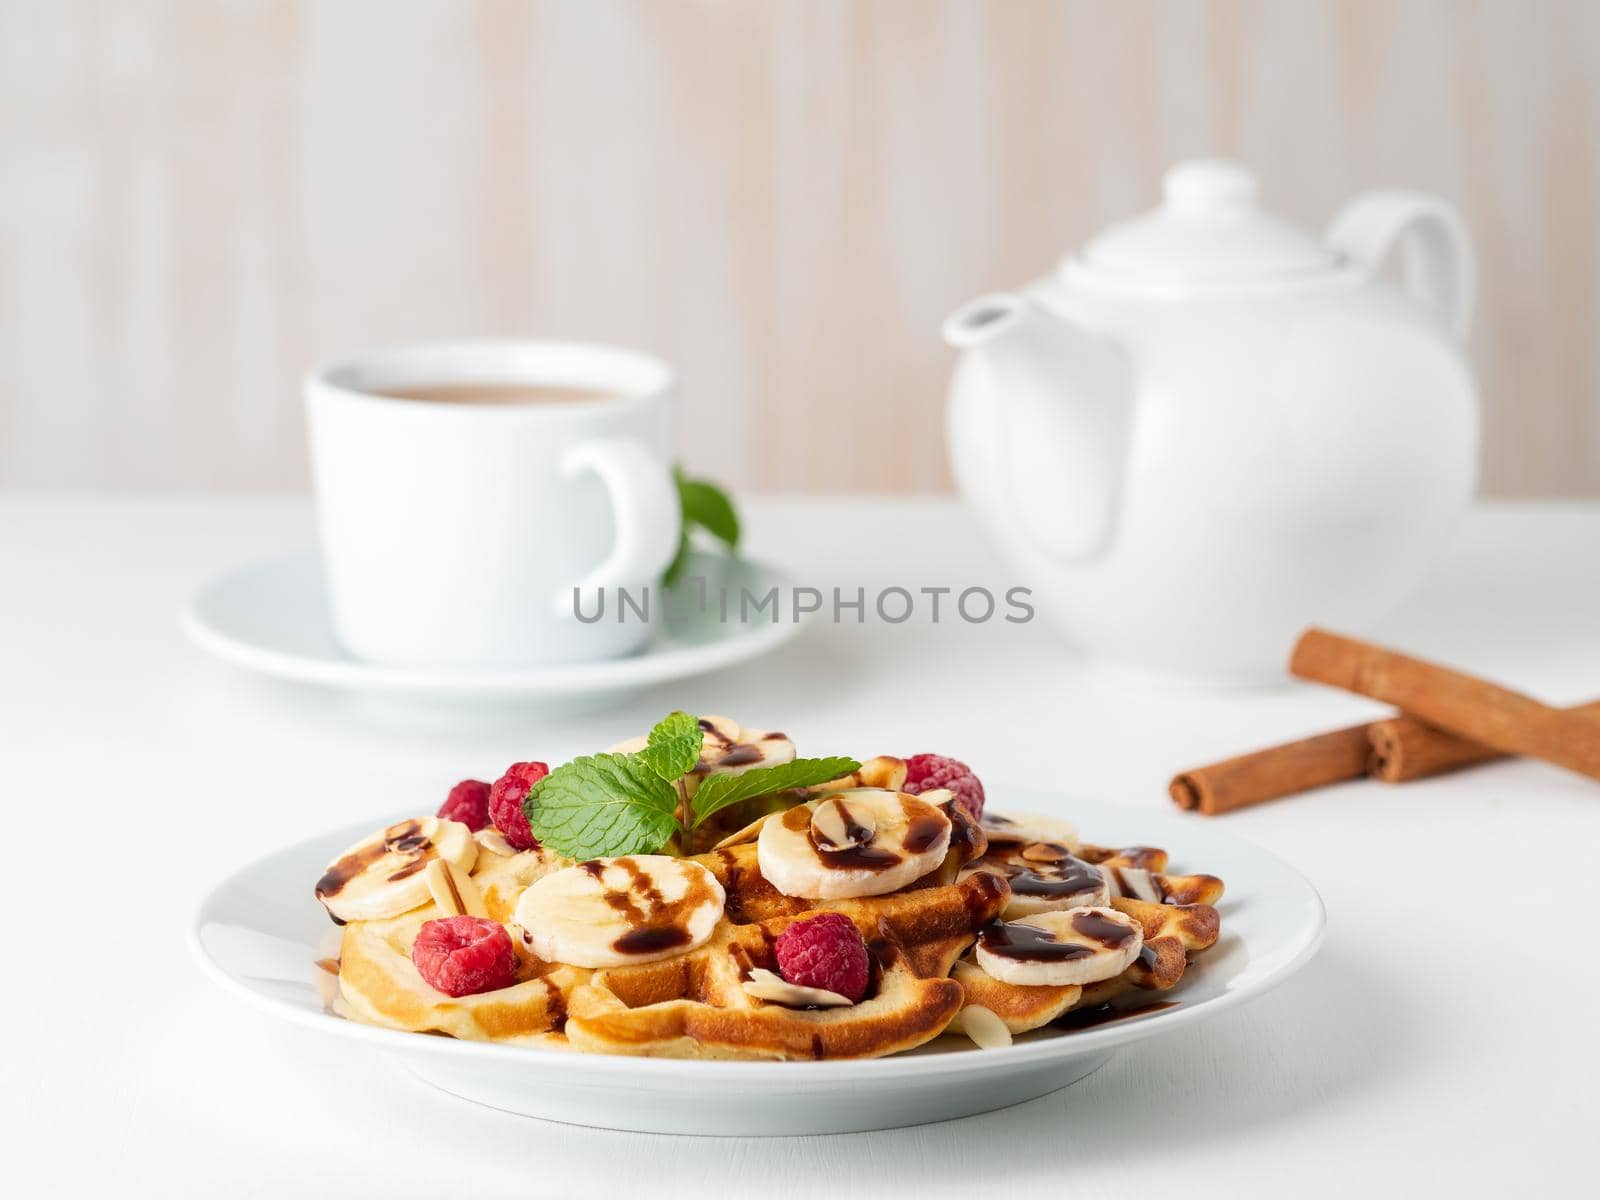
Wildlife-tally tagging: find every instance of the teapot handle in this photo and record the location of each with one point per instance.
(1439, 268)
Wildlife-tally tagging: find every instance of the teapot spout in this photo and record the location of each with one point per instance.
(983, 319)
(1039, 425)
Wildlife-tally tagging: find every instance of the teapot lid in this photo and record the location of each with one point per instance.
(1207, 230)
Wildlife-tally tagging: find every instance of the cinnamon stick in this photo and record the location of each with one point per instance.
(1404, 748)
(1297, 766)
(1471, 708)
(1397, 749)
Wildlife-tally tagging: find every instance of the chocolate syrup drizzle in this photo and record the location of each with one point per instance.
(405, 838)
(654, 924)
(925, 824)
(1026, 943)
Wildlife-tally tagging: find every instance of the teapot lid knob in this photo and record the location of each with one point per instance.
(1208, 184)
(1208, 231)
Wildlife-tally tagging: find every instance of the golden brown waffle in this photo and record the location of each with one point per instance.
(1172, 932)
(379, 985)
(1170, 889)
(502, 878)
(1136, 872)
(695, 1004)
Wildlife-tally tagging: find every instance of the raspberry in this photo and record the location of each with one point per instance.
(505, 802)
(462, 956)
(924, 772)
(468, 802)
(824, 951)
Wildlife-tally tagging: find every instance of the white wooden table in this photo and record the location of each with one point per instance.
(1445, 1039)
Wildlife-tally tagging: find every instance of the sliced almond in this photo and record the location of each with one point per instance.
(837, 826)
(987, 1031)
(747, 834)
(1134, 883)
(769, 985)
(453, 890)
(494, 842)
(1044, 852)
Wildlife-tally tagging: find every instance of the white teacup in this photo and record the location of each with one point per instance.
(456, 526)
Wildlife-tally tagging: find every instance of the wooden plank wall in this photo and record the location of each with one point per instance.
(198, 199)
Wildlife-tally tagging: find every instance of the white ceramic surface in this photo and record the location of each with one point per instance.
(260, 932)
(273, 618)
(1209, 429)
(455, 535)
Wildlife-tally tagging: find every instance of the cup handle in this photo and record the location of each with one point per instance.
(644, 501)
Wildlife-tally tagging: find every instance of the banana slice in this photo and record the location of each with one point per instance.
(1037, 855)
(1045, 877)
(1016, 830)
(384, 875)
(502, 878)
(731, 749)
(858, 842)
(880, 772)
(728, 749)
(612, 912)
(1054, 949)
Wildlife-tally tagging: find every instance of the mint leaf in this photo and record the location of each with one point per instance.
(602, 805)
(673, 749)
(716, 792)
(703, 505)
(708, 506)
(680, 561)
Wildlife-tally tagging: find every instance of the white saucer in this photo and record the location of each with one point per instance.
(273, 618)
(260, 933)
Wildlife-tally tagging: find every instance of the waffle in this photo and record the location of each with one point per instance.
(1160, 888)
(692, 1005)
(379, 985)
(925, 978)
(1137, 872)
(1178, 920)
(695, 1005)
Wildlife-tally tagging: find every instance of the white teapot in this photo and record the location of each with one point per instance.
(1209, 429)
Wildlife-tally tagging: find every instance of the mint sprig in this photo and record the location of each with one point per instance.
(673, 748)
(602, 805)
(716, 792)
(605, 805)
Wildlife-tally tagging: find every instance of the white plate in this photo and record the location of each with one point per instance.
(273, 618)
(260, 932)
